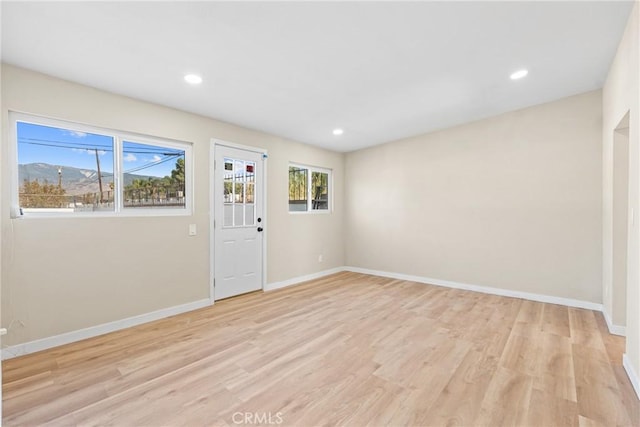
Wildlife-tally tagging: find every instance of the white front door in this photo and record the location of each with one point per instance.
(238, 221)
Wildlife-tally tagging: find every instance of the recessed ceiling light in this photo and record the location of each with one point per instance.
(338, 131)
(519, 74)
(193, 79)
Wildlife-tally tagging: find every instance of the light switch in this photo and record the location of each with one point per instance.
(192, 230)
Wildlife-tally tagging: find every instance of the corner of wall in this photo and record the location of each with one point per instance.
(613, 329)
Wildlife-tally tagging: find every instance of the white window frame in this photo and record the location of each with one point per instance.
(119, 137)
(310, 170)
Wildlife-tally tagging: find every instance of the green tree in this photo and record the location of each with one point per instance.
(177, 175)
(164, 186)
(297, 184)
(155, 188)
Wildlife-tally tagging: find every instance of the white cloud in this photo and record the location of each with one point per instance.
(130, 157)
(157, 158)
(91, 152)
(76, 134)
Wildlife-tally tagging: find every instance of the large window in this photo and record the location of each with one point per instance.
(309, 189)
(67, 168)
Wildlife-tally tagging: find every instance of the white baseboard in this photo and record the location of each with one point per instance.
(632, 374)
(484, 289)
(300, 279)
(613, 329)
(69, 337)
(94, 331)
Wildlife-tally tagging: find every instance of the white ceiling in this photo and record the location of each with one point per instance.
(379, 70)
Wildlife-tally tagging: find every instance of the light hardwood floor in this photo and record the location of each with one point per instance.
(348, 349)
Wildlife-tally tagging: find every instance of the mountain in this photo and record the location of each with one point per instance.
(75, 181)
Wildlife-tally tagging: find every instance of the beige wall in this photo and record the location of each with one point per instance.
(621, 95)
(510, 202)
(61, 275)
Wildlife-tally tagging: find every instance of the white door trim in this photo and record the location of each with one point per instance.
(229, 144)
(212, 242)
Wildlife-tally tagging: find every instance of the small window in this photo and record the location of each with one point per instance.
(68, 169)
(309, 189)
(153, 176)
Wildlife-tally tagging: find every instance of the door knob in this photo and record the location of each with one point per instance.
(260, 229)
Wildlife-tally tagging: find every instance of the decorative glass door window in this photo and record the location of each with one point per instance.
(239, 193)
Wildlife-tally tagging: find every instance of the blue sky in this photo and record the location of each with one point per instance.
(62, 147)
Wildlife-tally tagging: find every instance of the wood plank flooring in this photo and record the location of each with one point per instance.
(348, 349)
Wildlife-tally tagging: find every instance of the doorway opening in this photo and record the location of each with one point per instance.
(620, 222)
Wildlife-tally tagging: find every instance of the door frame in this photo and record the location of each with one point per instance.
(215, 143)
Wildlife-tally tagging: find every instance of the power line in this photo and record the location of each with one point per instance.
(82, 145)
(150, 149)
(89, 148)
(149, 165)
(135, 169)
(100, 148)
(65, 142)
(107, 148)
(152, 152)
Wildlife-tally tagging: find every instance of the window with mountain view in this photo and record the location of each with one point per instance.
(64, 168)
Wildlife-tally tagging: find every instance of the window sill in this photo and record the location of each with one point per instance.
(49, 215)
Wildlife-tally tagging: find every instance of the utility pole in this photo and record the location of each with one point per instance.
(99, 175)
(60, 186)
